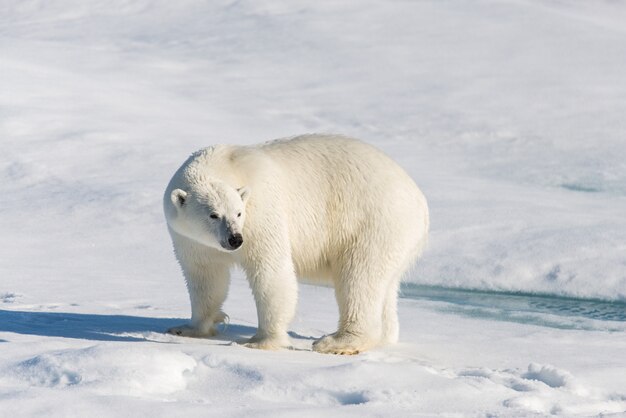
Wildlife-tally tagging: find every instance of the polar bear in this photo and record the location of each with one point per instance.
(321, 208)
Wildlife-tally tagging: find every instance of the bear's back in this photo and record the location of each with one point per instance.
(337, 189)
(338, 167)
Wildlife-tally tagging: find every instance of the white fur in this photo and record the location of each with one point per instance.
(323, 208)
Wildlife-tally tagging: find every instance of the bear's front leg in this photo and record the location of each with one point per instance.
(275, 291)
(207, 283)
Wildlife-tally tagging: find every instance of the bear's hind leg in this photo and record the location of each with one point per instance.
(391, 328)
(360, 320)
(361, 290)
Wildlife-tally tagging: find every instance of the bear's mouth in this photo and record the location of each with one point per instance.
(229, 249)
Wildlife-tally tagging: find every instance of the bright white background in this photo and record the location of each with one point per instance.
(508, 114)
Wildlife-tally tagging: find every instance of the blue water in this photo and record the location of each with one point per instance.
(542, 310)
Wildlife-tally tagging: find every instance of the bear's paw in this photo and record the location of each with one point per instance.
(341, 343)
(267, 343)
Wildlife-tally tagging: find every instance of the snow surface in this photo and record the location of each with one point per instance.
(509, 115)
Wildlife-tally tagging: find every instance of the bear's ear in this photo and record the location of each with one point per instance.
(178, 197)
(244, 192)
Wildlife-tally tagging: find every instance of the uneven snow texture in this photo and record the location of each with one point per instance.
(434, 371)
(509, 115)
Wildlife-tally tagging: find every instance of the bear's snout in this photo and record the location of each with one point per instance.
(235, 240)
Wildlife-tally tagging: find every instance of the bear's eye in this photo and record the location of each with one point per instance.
(239, 215)
(214, 216)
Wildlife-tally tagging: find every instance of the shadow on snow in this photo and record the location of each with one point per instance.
(101, 327)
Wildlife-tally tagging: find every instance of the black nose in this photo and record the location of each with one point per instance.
(235, 240)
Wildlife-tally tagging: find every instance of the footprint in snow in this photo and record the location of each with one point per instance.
(8, 297)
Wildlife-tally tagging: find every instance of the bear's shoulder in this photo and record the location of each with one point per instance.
(217, 151)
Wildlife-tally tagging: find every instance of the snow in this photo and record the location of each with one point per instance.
(509, 115)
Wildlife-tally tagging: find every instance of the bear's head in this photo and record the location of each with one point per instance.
(212, 214)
